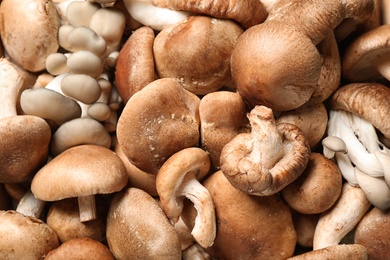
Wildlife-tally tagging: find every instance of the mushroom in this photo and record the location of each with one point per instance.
(342, 251)
(81, 87)
(280, 56)
(29, 31)
(268, 158)
(317, 188)
(366, 57)
(85, 62)
(137, 228)
(158, 121)
(79, 248)
(85, 38)
(202, 66)
(24, 237)
(305, 225)
(249, 227)
(79, 13)
(372, 233)
(81, 171)
(385, 11)
(246, 13)
(179, 178)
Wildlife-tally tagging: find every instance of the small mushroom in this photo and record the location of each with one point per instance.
(79, 13)
(305, 225)
(85, 62)
(179, 178)
(268, 158)
(85, 38)
(81, 171)
(81, 87)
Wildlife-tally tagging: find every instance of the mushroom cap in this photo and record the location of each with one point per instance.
(285, 66)
(79, 248)
(137, 228)
(80, 171)
(25, 141)
(29, 31)
(24, 237)
(360, 57)
(370, 101)
(158, 121)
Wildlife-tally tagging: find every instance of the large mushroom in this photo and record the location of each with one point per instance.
(268, 158)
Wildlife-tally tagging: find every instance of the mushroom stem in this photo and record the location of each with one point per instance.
(383, 67)
(30, 206)
(87, 208)
(204, 229)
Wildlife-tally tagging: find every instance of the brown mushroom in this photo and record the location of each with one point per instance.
(137, 228)
(268, 158)
(158, 121)
(342, 251)
(305, 225)
(81, 171)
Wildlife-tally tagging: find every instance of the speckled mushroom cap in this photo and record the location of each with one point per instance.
(158, 121)
(362, 56)
(29, 31)
(370, 101)
(25, 142)
(80, 171)
(23, 237)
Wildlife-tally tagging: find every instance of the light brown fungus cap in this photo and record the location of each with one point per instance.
(158, 121)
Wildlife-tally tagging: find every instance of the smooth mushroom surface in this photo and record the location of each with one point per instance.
(268, 158)
(341, 251)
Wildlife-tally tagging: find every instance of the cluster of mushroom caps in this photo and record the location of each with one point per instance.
(166, 129)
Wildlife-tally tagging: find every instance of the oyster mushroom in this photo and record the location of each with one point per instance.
(268, 158)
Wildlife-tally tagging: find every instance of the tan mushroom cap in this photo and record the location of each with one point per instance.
(366, 58)
(341, 251)
(285, 66)
(137, 228)
(79, 249)
(370, 101)
(79, 13)
(268, 158)
(80, 171)
(202, 66)
(29, 31)
(25, 237)
(158, 121)
(251, 227)
(135, 64)
(25, 142)
(246, 13)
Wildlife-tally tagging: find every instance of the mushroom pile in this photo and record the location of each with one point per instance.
(167, 129)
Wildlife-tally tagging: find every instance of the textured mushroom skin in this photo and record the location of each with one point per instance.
(269, 158)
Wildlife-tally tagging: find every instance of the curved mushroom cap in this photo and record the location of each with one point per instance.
(246, 13)
(202, 66)
(317, 188)
(25, 237)
(158, 121)
(370, 101)
(29, 31)
(285, 66)
(361, 58)
(248, 226)
(268, 158)
(340, 251)
(373, 233)
(25, 142)
(137, 228)
(80, 171)
(80, 248)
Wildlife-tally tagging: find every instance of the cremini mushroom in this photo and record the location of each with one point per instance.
(179, 178)
(202, 66)
(342, 251)
(79, 248)
(81, 171)
(246, 13)
(268, 158)
(137, 228)
(29, 31)
(158, 121)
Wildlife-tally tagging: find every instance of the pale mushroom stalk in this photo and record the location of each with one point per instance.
(87, 208)
(30, 206)
(332, 145)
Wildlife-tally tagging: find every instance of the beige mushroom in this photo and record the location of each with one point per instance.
(137, 228)
(202, 66)
(29, 31)
(79, 248)
(268, 158)
(179, 178)
(85, 62)
(345, 251)
(81, 171)
(84, 38)
(157, 121)
(55, 63)
(305, 225)
(79, 13)
(81, 87)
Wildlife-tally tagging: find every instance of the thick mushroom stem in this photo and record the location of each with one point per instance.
(30, 206)
(87, 208)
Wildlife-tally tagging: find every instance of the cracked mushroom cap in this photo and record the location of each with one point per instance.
(80, 171)
(268, 158)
